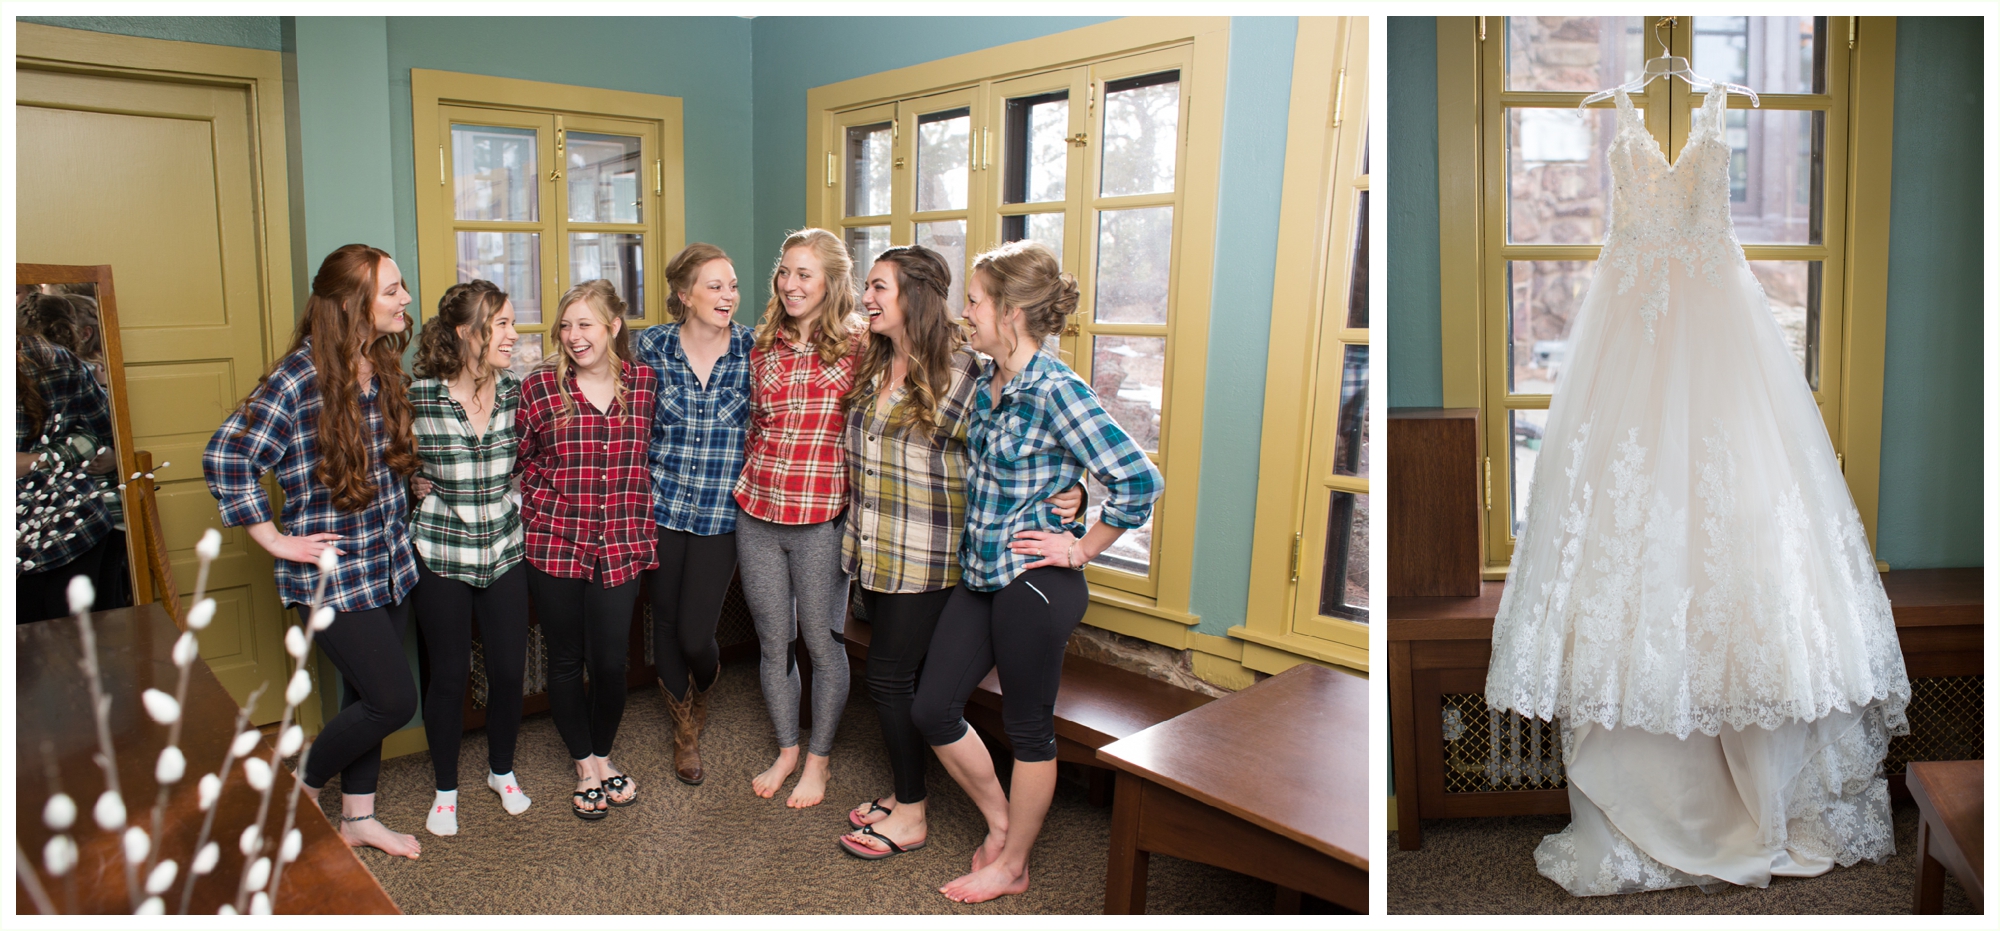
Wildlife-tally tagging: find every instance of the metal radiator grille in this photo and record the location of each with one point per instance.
(1947, 722)
(1492, 751)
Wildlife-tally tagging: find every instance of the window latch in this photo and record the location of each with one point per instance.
(1297, 541)
(1079, 140)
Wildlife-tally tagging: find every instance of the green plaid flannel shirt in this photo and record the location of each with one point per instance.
(469, 527)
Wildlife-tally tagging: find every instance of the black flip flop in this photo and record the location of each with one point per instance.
(616, 784)
(593, 813)
(874, 805)
(865, 852)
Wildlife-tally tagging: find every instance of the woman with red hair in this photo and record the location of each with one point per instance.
(332, 420)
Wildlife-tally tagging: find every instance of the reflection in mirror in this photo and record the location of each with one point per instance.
(68, 514)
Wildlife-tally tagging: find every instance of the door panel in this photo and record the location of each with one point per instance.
(160, 180)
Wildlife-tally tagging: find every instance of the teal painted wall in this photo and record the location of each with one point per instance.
(1931, 401)
(1415, 367)
(344, 135)
(260, 32)
(1256, 106)
(1932, 410)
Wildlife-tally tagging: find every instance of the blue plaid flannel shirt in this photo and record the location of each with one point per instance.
(78, 422)
(697, 448)
(1046, 433)
(380, 565)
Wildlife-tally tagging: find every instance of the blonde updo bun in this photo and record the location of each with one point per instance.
(1026, 276)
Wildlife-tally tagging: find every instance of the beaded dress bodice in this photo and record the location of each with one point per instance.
(1662, 212)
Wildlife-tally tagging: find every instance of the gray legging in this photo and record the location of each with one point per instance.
(786, 565)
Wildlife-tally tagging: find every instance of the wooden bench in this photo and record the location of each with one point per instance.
(1438, 652)
(1096, 704)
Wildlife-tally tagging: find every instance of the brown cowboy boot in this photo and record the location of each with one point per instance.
(700, 697)
(687, 755)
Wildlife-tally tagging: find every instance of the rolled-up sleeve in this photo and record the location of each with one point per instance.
(236, 457)
(1131, 482)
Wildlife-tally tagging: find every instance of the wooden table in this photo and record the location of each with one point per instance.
(1952, 834)
(56, 730)
(1271, 781)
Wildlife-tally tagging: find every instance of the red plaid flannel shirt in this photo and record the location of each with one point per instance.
(586, 496)
(795, 468)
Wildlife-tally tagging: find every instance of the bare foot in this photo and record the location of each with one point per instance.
(811, 789)
(373, 833)
(863, 814)
(992, 882)
(768, 782)
(989, 850)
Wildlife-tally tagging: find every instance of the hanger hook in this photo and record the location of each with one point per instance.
(1665, 48)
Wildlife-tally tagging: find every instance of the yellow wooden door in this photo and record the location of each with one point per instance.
(160, 180)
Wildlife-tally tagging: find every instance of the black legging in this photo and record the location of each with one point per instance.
(585, 623)
(687, 593)
(900, 626)
(445, 610)
(378, 695)
(44, 594)
(1021, 629)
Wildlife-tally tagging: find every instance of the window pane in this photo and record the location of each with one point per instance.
(1768, 54)
(616, 257)
(1526, 430)
(1037, 148)
(603, 177)
(1128, 374)
(1350, 432)
(944, 145)
(1343, 581)
(493, 173)
(1141, 134)
(1044, 228)
(1543, 298)
(1793, 290)
(1558, 181)
(948, 238)
(1574, 53)
(1777, 174)
(1133, 550)
(511, 260)
(1357, 276)
(868, 170)
(864, 243)
(1133, 252)
(527, 354)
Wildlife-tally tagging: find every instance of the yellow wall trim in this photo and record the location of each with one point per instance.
(1277, 654)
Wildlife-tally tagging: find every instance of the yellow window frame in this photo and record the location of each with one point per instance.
(439, 98)
(1474, 251)
(1324, 181)
(1155, 607)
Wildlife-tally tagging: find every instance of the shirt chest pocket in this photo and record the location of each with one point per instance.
(731, 406)
(1018, 438)
(833, 379)
(673, 404)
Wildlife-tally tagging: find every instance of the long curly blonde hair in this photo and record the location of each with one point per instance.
(833, 329)
(604, 303)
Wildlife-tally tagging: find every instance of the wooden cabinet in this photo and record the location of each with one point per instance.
(1435, 502)
(1449, 765)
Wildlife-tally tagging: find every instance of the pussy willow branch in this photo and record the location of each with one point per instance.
(222, 784)
(107, 758)
(284, 724)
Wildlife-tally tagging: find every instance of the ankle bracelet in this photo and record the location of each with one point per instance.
(367, 817)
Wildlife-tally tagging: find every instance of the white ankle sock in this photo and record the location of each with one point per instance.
(443, 820)
(509, 790)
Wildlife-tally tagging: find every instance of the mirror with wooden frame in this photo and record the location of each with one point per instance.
(81, 501)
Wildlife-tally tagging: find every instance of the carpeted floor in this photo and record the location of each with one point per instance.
(718, 848)
(1487, 866)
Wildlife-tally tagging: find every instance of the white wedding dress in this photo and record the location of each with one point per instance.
(1693, 599)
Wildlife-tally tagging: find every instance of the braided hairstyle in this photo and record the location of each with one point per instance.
(441, 352)
(1026, 276)
(923, 283)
